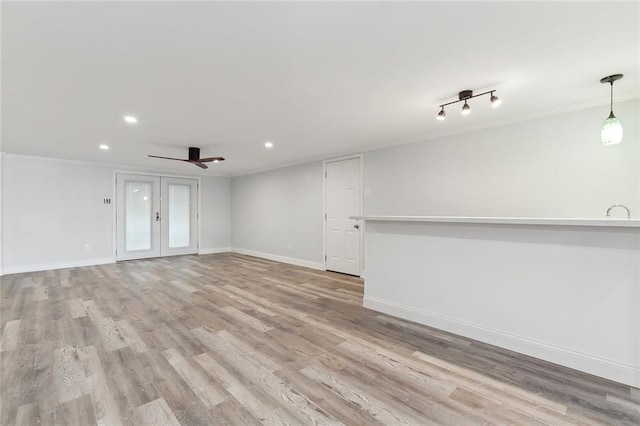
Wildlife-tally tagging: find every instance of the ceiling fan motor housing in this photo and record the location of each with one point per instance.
(194, 154)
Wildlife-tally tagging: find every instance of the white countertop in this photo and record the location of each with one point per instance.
(604, 222)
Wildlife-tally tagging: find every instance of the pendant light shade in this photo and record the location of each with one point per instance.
(611, 132)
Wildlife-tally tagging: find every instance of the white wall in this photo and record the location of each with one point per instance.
(215, 214)
(548, 167)
(278, 214)
(566, 294)
(52, 208)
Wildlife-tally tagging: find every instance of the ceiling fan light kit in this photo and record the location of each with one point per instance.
(464, 96)
(194, 158)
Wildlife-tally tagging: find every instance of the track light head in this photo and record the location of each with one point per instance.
(466, 109)
(495, 101)
(441, 115)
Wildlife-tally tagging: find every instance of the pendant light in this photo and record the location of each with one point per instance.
(611, 133)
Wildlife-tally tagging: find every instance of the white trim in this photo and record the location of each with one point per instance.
(122, 168)
(278, 258)
(215, 250)
(58, 265)
(2, 155)
(114, 218)
(359, 156)
(198, 215)
(543, 221)
(619, 372)
(324, 217)
(160, 174)
(637, 290)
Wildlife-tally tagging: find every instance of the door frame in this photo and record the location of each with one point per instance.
(114, 210)
(360, 157)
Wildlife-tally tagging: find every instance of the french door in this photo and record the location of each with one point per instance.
(155, 216)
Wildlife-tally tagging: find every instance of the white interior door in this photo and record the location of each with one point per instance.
(137, 216)
(179, 210)
(343, 200)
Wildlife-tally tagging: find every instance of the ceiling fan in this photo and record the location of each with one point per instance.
(194, 158)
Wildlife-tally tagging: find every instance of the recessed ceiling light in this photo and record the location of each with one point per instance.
(268, 144)
(130, 119)
(103, 146)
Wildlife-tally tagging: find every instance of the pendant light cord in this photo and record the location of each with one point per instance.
(611, 96)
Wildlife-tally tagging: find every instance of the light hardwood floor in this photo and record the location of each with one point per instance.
(231, 339)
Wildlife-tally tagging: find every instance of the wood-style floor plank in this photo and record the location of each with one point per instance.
(69, 374)
(10, 335)
(156, 413)
(104, 405)
(208, 393)
(233, 339)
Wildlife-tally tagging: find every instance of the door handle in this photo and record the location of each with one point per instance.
(356, 226)
(157, 216)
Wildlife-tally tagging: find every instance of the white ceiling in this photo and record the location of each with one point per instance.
(317, 79)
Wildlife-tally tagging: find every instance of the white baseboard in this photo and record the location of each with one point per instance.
(214, 250)
(609, 369)
(58, 265)
(278, 258)
(105, 260)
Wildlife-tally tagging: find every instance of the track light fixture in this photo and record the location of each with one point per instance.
(464, 96)
(611, 133)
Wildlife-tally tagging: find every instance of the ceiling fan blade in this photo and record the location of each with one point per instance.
(167, 158)
(198, 163)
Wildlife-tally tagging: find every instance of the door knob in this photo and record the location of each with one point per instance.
(356, 226)
(157, 216)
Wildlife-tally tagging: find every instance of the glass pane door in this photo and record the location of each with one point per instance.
(179, 216)
(137, 217)
(138, 199)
